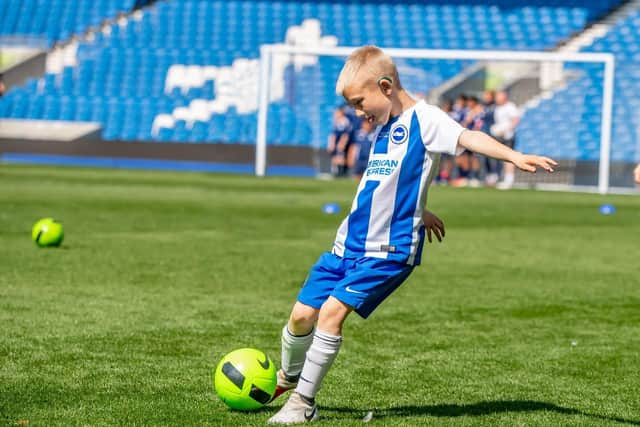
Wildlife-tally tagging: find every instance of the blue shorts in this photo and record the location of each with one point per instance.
(362, 283)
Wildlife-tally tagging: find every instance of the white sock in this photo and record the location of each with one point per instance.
(320, 356)
(294, 350)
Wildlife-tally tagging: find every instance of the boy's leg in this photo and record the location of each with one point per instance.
(367, 283)
(296, 339)
(297, 335)
(364, 288)
(325, 347)
(326, 343)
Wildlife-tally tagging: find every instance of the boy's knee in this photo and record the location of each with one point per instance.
(332, 315)
(302, 319)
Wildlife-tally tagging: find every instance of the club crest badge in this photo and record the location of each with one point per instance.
(399, 134)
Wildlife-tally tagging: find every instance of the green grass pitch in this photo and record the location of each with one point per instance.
(527, 314)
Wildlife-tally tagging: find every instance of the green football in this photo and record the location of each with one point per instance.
(47, 232)
(245, 379)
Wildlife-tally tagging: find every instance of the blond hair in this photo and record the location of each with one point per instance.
(373, 63)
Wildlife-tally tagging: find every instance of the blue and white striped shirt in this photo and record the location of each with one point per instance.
(386, 214)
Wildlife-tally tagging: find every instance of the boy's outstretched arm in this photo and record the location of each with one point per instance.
(482, 143)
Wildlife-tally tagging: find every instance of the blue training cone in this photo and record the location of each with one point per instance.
(607, 209)
(331, 208)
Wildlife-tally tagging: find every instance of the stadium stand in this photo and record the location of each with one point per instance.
(56, 20)
(568, 123)
(185, 71)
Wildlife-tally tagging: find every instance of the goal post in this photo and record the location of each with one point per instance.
(269, 54)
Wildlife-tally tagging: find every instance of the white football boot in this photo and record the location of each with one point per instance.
(295, 411)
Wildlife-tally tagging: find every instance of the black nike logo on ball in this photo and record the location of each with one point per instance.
(266, 363)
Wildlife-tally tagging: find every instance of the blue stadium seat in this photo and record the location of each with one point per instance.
(119, 81)
(56, 21)
(586, 93)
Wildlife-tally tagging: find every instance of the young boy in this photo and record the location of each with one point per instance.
(380, 242)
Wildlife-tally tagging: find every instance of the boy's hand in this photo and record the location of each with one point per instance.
(529, 162)
(433, 223)
(636, 174)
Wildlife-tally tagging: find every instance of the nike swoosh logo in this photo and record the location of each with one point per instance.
(266, 363)
(353, 291)
(309, 415)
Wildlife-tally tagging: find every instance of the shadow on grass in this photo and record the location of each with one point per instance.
(475, 409)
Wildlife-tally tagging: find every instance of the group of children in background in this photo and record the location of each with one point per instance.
(350, 142)
(351, 139)
(494, 115)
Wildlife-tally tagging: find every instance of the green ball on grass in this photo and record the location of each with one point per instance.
(47, 232)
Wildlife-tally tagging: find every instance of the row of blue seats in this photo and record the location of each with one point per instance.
(376, 15)
(56, 20)
(203, 132)
(536, 125)
(554, 141)
(292, 13)
(622, 41)
(479, 41)
(204, 25)
(448, 7)
(564, 128)
(380, 34)
(15, 105)
(566, 117)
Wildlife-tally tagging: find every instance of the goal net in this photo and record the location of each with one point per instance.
(564, 101)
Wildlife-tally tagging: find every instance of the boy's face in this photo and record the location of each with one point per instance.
(372, 101)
